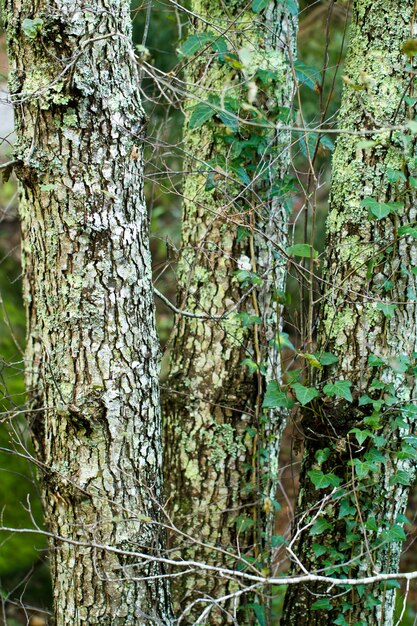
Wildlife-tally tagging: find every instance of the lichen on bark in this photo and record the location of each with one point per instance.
(92, 351)
(368, 320)
(212, 405)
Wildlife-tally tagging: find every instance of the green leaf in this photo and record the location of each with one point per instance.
(259, 5)
(410, 231)
(318, 549)
(194, 43)
(275, 398)
(322, 455)
(277, 540)
(371, 524)
(386, 309)
(322, 481)
(321, 604)
(326, 358)
(395, 176)
(32, 28)
(361, 435)
(400, 478)
(303, 250)
(304, 394)
(201, 113)
(320, 526)
(340, 621)
(378, 209)
(340, 388)
(306, 75)
(346, 509)
(390, 584)
(259, 613)
(230, 120)
(375, 361)
(395, 533)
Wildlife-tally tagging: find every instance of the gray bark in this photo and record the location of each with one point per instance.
(92, 350)
(369, 266)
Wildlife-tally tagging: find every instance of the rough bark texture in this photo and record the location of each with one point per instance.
(213, 466)
(370, 265)
(92, 349)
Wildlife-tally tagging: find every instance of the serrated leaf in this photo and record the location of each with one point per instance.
(340, 388)
(304, 394)
(303, 250)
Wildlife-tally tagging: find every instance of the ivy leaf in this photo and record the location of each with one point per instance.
(194, 43)
(408, 230)
(32, 28)
(322, 481)
(400, 478)
(259, 5)
(395, 533)
(303, 250)
(320, 526)
(275, 398)
(340, 388)
(326, 358)
(378, 209)
(201, 113)
(375, 361)
(386, 309)
(361, 435)
(318, 549)
(321, 604)
(304, 394)
(322, 455)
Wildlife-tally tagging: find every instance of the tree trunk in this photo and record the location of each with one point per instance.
(354, 484)
(92, 349)
(221, 453)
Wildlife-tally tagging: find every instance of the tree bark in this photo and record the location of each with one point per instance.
(92, 350)
(368, 320)
(221, 451)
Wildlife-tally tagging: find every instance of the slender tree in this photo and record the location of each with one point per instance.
(92, 350)
(359, 447)
(221, 447)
